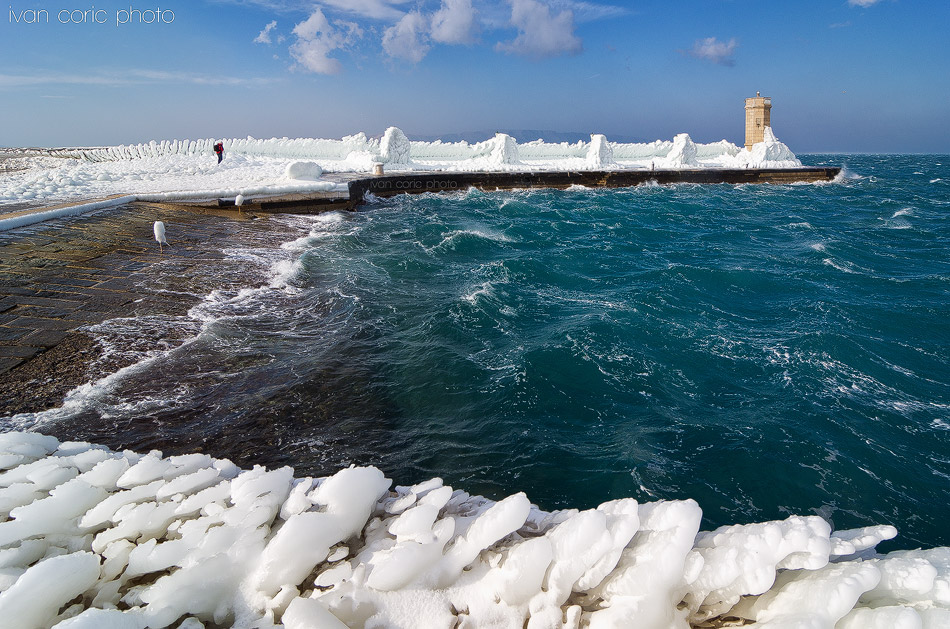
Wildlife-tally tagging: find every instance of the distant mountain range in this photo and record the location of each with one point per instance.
(522, 135)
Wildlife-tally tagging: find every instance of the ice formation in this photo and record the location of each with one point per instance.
(769, 151)
(599, 153)
(504, 150)
(189, 169)
(395, 147)
(303, 171)
(91, 538)
(683, 153)
(359, 152)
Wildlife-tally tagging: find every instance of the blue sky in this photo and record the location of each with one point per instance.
(844, 75)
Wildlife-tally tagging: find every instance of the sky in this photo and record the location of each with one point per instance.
(843, 75)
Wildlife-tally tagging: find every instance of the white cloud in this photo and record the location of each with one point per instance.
(410, 28)
(374, 9)
(264, 37)
(454, 22)
(862, 3)
(711, 49)
(590, 11)
(162, 76)
(317, 39)
(408, 38)
(125, 78)
(541, 34)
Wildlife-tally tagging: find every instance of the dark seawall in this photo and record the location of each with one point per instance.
(439, 181)
(418, 183)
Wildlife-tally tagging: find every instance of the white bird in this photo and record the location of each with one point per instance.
(159, 229)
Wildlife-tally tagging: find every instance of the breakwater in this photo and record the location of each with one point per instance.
(415, 182)
(418, 183)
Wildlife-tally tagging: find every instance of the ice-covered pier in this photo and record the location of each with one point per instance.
(311, 175)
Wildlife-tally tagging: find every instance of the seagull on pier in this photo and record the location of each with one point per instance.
(159, 229)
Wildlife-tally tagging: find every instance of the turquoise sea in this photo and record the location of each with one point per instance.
(765, 350)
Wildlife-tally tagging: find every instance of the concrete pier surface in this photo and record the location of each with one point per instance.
(59, 276)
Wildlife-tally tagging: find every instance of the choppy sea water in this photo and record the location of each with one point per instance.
(765, 350)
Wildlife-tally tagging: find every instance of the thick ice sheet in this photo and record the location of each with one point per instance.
(95, 538)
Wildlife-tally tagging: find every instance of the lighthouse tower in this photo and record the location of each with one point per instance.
(758, 116)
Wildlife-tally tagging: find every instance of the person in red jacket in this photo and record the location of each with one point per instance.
(219, 149)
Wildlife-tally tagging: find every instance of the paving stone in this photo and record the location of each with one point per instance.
(12, 334)
(65, 293)
(123, 284)
(46, 302)
(79, 271)
(90, 316)
(43, 312)
(73, 281)
(111, 300)
(16, 290)
(65, 256)
(37, 323)
(6, 364)
(18, 351)
(43, 338)
(90, 292)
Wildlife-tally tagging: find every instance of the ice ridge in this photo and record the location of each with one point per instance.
(93, 538)
(359, 152)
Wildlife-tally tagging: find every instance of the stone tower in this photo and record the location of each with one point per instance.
(758, 116)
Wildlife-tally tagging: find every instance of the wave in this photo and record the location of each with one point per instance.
(451, 239)
(485, 289)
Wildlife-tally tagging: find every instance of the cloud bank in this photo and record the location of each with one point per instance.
(407, 30)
